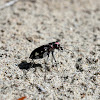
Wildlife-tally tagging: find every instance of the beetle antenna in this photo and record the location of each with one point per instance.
(67, 49)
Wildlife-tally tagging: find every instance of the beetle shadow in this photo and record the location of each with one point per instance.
(27, 66)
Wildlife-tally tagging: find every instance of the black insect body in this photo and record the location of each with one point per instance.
(45, 50)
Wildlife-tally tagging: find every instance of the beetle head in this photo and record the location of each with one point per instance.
(57, 46)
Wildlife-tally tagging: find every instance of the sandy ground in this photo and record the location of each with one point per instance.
(29, 24)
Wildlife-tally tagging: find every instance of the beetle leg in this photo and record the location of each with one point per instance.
(53, 56)
(47, 58)
(46, 66)
(32, 63)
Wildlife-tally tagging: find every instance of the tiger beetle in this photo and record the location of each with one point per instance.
(45, 50)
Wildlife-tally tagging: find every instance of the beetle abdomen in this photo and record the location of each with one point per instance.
(39, 53)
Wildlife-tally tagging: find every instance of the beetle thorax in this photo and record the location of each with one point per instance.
(56, 45)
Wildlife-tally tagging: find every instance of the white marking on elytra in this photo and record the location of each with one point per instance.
(45, 48)
(36, 53)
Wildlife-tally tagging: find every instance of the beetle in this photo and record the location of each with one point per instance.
(45, 50)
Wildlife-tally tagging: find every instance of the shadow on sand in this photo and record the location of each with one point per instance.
(27, 66)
